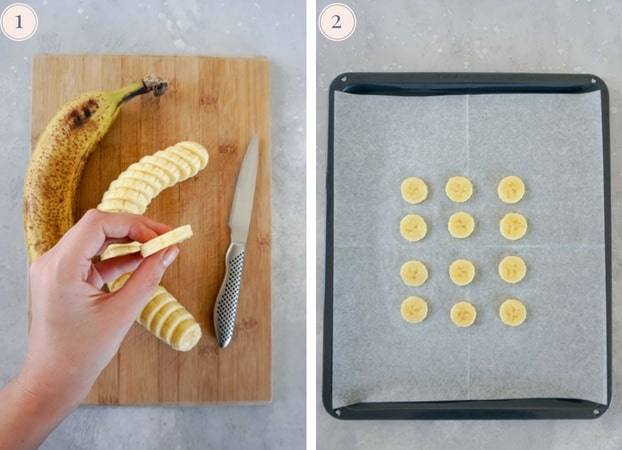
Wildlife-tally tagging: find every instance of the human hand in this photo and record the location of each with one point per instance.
(77, 327)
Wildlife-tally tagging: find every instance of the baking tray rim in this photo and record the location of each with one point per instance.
(457, 83)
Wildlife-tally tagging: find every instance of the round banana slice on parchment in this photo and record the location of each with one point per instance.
(462, 272)
(513, 226)
(512, 269)
(461, 225)
(414, 273)
(414, 309)
(414, 190)
(463, 314)
(511, 189)
(459, 189)
(413, 227)
(512, 312)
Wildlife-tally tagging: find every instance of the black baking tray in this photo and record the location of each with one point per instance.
(430, 84)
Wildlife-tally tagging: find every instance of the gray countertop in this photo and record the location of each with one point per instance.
(562, 36)
(263, 27)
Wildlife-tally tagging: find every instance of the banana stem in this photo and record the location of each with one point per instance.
(149, 84)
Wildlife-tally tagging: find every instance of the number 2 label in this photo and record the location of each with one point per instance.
(337, 22)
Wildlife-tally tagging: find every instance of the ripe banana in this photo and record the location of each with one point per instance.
(511, 189)
(59, 157)
(413, 227)
(512, 312)
(512, 269)
(414, 190)
(462, 272)
(175, 236)
(414, 273)
(463, 314)
(414, 309)
(461, 225)
(513, 226)
(459, 189)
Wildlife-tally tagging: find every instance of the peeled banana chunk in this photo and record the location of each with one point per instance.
(461, 225)
(414, 309)
(413, 227)
(463, 314)
(414, 273)
(462, 272)
(513, 226)
(511, 189)
(175, 236)
(512, 312)
(459, 189)
(512, 269)
(414, 190)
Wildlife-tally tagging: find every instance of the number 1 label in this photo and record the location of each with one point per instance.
(18, 22)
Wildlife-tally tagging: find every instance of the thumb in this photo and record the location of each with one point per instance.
(139, 287)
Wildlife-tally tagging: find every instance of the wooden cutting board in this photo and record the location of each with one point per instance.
(219, 102)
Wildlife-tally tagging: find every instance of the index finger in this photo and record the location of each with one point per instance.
(96, 229)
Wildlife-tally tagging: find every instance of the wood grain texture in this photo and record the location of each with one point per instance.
(219, 102)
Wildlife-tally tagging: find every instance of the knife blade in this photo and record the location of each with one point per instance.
(226, 305)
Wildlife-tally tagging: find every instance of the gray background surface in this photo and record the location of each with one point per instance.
(570, 36)
(262, 27)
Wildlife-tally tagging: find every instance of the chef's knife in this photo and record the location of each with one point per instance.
(239, 222)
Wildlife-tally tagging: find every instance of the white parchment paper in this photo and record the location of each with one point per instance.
(554, 143)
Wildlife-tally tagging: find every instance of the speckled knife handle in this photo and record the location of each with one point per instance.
(227, 300)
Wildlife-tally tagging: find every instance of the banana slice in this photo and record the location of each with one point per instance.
(414, 309)
(120, 205)
(133, 176)
(513, 226)
(459, 189)
(189, 156)
(463, 314)
(138, 197)
(195, 149)
(175, 236)
(114, 250)
(414, 273)
(512, 312)
(182, 167)
(511, 189)
(414, 190)
(413, 227)
(512, 269)
(461, 225)
(127, 181)
(462, 272)
(166, 166)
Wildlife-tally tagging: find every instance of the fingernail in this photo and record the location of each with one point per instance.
(169, 256)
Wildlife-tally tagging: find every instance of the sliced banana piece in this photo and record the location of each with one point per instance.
(512, 312)
(175, 236)
(463, 314)
(513, 226)
(459, 189)
(414, 309)
(511, 189)
(512, 269)
(414, 273)
(413, 227)
(114, 250)
(414, 190)
(195, 150)
(462, 272)
(461, 225)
